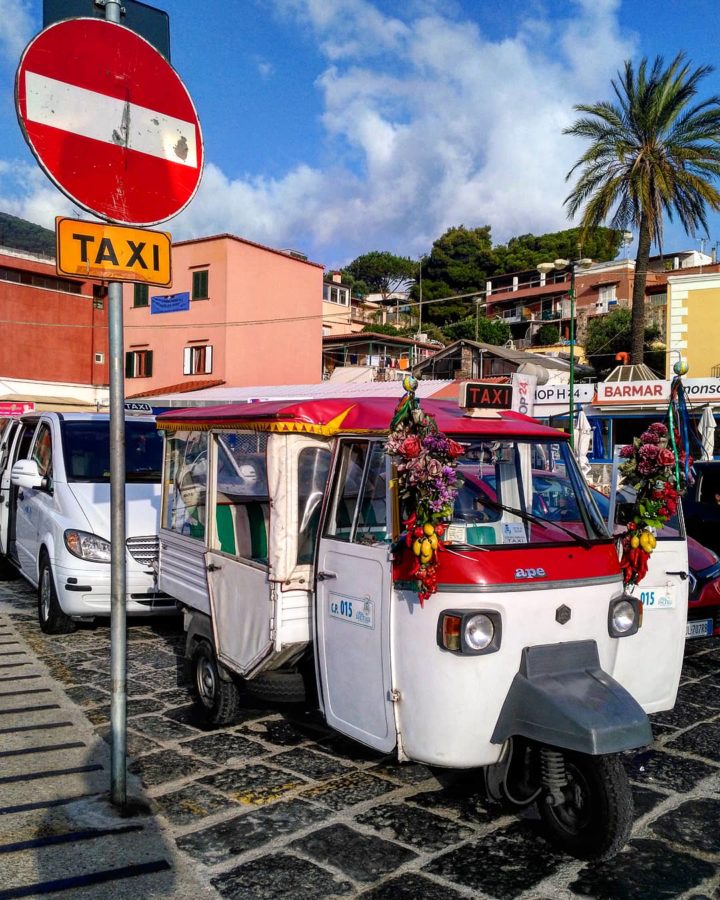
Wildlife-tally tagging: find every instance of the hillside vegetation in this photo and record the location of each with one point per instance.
(21, 235)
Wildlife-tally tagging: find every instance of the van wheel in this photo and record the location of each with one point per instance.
(595, 819)
(278, 687)
(50, 615)
(219, 700)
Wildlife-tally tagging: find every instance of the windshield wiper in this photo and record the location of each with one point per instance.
(538, 520)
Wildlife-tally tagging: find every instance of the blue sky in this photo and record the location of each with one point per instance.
(336, 127)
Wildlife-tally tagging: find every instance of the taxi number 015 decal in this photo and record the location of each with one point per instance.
(352, 609)
(656, 600)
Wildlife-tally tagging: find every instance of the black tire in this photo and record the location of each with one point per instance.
(278, 687)
(218, 700)
(597, 816)
(50, 615)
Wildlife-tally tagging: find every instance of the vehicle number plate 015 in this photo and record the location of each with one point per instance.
(699, 628)
(657, 599)
(352, 609)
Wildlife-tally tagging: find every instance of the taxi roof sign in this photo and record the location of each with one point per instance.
(113, 252)
(479, 395)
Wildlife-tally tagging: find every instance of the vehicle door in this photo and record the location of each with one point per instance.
(241, 596)
(18, 447)
(352, 641)
(31, 502)
(652, 659)
(6, 441)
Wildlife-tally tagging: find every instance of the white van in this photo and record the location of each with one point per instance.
(55, 514)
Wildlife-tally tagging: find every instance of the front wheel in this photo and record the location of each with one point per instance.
(50, 615)
(595, 816)
(219, 700)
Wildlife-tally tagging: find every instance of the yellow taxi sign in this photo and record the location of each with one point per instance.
(112, 252)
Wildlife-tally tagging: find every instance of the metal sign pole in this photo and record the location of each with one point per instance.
(118, 625)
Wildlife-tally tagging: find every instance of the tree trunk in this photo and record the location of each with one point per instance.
(637, 345)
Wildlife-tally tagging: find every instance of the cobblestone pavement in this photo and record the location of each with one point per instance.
(278, 806)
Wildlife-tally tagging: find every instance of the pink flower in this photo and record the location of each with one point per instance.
(410, 447)
(649, 451)
(658, 428)
(666, 457)
(454, 449)
(627, 451)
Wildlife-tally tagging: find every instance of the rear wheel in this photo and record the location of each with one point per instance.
(595, 817)
(219, 700)
(50, 615)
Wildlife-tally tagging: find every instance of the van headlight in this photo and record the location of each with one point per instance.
(470, 632)
(87, 546)
(624, 616)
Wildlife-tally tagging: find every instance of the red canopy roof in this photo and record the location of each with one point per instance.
(345, 415)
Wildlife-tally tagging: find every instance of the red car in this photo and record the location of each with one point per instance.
(704, 600)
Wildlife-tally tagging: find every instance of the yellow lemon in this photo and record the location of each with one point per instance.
(429, 529)
(434, 541)
(416, 548)
(634, 541)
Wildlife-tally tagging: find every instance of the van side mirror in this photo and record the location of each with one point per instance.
(624, 513)
(25, 474)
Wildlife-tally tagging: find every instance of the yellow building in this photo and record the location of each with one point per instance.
(693, 324)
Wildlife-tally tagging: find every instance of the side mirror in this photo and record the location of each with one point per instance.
(624, 513)
(25, 474)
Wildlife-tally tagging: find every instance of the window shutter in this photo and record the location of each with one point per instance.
(130, 364)
(148, 363)
(187, 361)
(208, 360)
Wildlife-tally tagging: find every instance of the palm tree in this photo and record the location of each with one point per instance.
(651, 153)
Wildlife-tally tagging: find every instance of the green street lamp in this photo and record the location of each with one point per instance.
(573, 265)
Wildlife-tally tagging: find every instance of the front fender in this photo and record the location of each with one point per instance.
(562, 697)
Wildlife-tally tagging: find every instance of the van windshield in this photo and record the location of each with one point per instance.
(516, 492)
(87, 451)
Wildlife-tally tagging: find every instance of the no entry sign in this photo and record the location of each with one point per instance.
(110, 121)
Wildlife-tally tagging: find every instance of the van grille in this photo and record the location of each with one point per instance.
(145, 549)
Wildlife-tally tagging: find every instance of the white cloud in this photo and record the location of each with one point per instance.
(16, 28)
(429, 124)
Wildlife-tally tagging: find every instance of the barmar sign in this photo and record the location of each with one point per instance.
(633, 391)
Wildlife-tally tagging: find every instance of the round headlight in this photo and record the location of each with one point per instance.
(479, 632)
(623, 616)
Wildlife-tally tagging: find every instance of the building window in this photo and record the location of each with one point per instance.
(100, 292)
(35, 279)
(138, 363)
(99, 358)
(140, 295)
(333, 293)
(606, 292)
(200, 285)
(197, 360)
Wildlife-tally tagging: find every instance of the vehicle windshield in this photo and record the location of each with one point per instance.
(87, 451)
(520, 492)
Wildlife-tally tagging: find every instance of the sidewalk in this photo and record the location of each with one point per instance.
(59, 835)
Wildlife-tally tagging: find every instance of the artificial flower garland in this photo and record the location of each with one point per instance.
(653, 469)
(427, 483)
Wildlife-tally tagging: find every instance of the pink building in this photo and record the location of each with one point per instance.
(238, 313)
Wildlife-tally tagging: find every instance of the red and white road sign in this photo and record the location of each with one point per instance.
(110, 121)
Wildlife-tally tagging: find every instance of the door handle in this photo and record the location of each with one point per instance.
(324, 576)
(21, 495)
(213, 568)
(683, 575)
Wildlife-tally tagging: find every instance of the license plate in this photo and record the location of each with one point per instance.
(699, 628)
